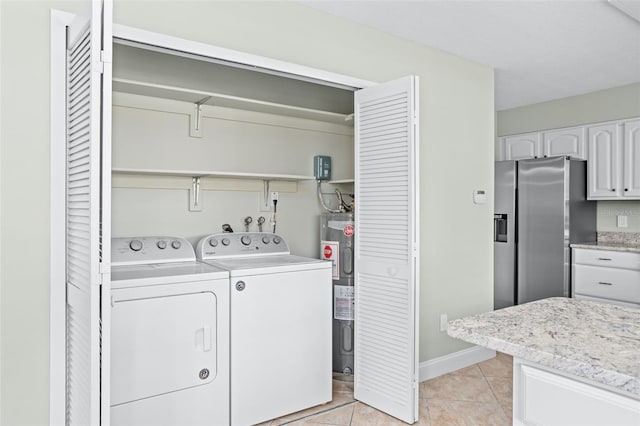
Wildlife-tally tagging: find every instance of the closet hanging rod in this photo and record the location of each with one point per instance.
(213, 96)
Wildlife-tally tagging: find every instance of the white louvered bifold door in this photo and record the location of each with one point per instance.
(86, 204)
(386, 303)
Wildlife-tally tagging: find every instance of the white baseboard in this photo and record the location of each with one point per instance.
(455, 361)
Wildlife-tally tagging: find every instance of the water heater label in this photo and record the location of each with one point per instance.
(343, 302)
(330, 250)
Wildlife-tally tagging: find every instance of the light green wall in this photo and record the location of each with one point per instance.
(456, 157)
(233, 141)
(604, 105)
(24, 227)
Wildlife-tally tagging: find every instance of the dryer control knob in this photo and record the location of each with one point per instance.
(162, 244)
(213, 242)
(226, 242)
(176, 244)
(246, 240)
(136, 245)
(265, 240)
(277, 240)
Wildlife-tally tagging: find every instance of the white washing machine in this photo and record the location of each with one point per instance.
(280, 325)
(169, 335)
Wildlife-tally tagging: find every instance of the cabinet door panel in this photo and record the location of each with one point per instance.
(523, 146)
(607, 258)
(565, 142)
(632, 159)
(603, 167)
(607, 283)
(549, 399)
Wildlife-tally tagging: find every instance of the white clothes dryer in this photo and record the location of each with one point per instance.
(169, 335)
(280, 325)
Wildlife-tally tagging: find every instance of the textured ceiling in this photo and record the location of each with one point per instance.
(541, 50)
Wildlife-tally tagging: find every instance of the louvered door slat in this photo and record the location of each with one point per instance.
(84, 126)
(82, 275)
(386, 248)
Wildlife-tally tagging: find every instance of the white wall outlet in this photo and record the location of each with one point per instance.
(274, 196)
(621, 221)
(443, 322)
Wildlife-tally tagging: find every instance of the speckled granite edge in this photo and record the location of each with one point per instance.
(616, 241)
(586, 339)
(608, 246)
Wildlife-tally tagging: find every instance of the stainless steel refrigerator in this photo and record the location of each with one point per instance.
(540, 208)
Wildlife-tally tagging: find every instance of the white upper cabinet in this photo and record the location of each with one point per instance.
(612, 150)
(614, 161)
(519, 147)
(571, 142)
(603, 170)
(631, 165)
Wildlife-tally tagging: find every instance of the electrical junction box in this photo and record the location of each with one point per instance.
(322, 167)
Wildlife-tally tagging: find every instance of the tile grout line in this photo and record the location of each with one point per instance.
(493, 392)
(320, 412)
(352, 413)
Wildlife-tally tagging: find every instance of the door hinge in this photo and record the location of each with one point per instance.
(105, 58)
(104, 271)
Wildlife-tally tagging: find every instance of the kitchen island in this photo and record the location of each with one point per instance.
(575, 361)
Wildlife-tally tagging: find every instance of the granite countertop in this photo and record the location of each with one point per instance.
(596, 341)
(608, 246)
(616, 241)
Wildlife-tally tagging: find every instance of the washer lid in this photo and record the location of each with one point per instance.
(269, 264)
(165, 273)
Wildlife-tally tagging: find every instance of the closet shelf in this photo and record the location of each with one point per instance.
(213, 174)
(202, 97)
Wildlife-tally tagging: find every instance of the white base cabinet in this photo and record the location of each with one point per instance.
(542, 396)
(606, 276)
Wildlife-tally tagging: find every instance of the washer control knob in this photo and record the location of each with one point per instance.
(265, 240)
(277, 240)
(162, 244)
(240, 285)
(213, 242)
(246, 240)
(226, 241)
(176, 244)
(136, 245)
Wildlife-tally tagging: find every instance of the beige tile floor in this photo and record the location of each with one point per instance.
(478, 395)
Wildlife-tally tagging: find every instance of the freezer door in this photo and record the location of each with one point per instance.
(504, 245)
(543, 233)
